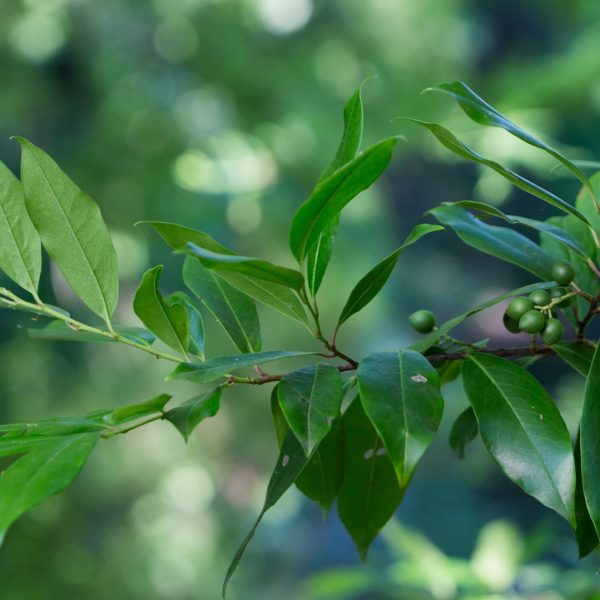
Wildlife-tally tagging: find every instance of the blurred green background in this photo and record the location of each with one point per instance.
(220, 114)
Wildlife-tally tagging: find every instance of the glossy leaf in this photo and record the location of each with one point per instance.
(71, 229)
(41, 473)
(464, 430)
(501, 242)
(578, 356)
(60, 331)
(169, 322)
(585, 532)
(140, 409)
(523, 430)
(482, 113)
(370, 285)
(20, 246)
(188, 415)
(178, 236)
(332, 194)
(310, 399)
(370, 493)
(195, 322)
(290, 464)
(320, 254)
(430, 339)
(232, 309)
(450, 141)
(252, 267)
(220, 366)
(557, 233)
(58, 426)
(590, 441)
(400, 393)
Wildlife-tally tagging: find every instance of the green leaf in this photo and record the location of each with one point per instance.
(590, 441)
(169, 322)
(332, 194)
(310, 399)
(290, 464)
(429, 340)
(370, 285)
(450, 141)
(253, 267)
(232, 309)
(482, 113)
(320, 254)
(400, 393)
(188, 415)
(554, 231)
(220, 366)
(140, 409)
(71, 229)
(585, 532)
(60, 331)
(464, 430)
(178, 236)
(57, 426)
(503, 243)
(20, 246)
(370, 493)
(195, 322)
(578, 356)
(41, 473)
(523, 431)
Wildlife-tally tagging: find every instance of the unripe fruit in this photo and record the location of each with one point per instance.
(434, 350)
(540, 297)
(518, 307)
(511, 324)
(562, 272)
(423, 321)
(557, 293)
(532, 321)
(553, 332)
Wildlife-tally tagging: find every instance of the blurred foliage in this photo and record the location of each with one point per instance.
(220, 114)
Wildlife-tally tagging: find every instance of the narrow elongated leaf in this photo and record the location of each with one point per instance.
(169, 322)
(253, 267)
(289, 466)
(370, 493)
(523, 431)
(429, 340)
(503, 243)
(450, 141)
(320, 254)
(57, 426)
(332, 194)
(13, 445)
(232, 309)
(188, 415)
(59, 330)
(400, 393)
(482, 113)
(140, 409)
(585, 532)
(310, 399)
(195, 322)
(370, 285)
(558, 233)
(278, 297)
(464, 430)
(576, 355)
(178, 236)
(590, 441)
(220, 366)
(41, 473)
(71, 229)
(20, 246)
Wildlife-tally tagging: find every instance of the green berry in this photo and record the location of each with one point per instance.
(540, 297)
(532, 321)
(511, 324)
(562, 272)
(434, 350)
(423, 321)
(518, 307)
(553, 332)
(557, 293)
